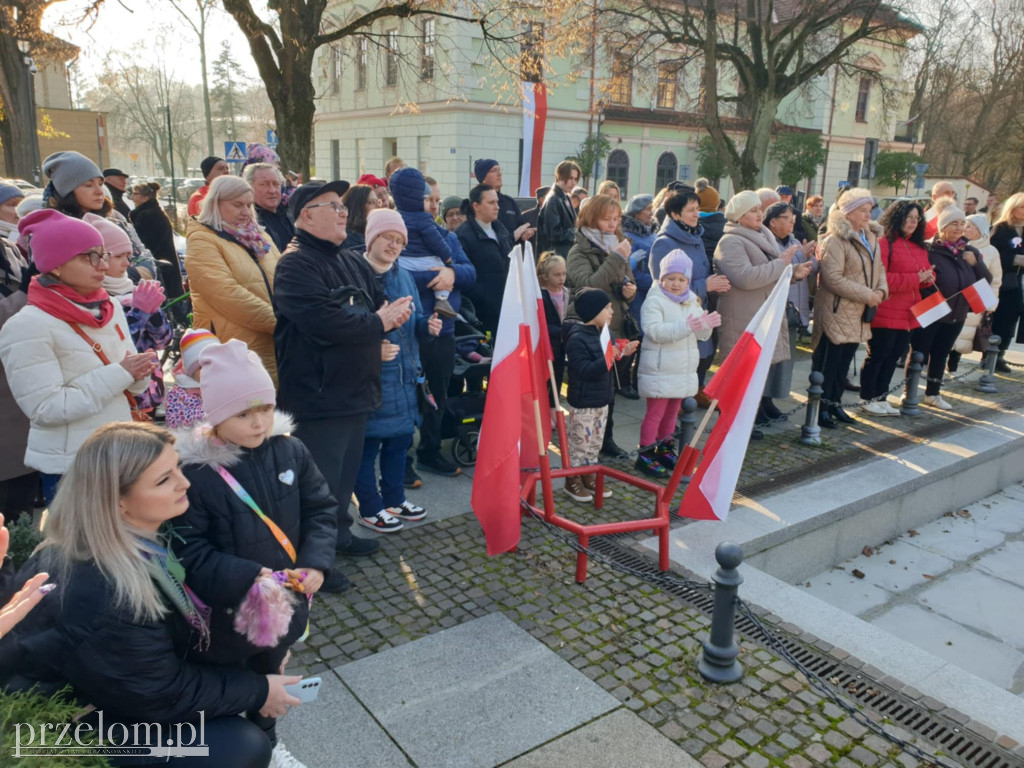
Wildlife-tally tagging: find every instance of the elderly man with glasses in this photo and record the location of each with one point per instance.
(331, 319)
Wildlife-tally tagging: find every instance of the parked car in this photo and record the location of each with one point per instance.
(27, 187)
(188, 186)
(924, 201)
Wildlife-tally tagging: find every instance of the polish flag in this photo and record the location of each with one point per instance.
(495, 495)
(535, 115)
(930, 309)
(606, 345)
(533, 312)
(737, 385)
(980, 297)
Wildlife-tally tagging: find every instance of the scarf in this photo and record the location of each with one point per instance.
(956, 247)
(688, 228)
(168, 574)
(8, 230)
(558, 299)
(606, 241)
(65, 303)
(12, 263)
(118, 286)
(249, 237)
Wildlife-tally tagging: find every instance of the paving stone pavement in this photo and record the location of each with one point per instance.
(635, 641)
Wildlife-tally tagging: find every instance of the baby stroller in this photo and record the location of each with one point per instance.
(464, 406)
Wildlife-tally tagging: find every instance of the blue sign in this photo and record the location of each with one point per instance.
(919, 182)
(234, 151)
(271, 138)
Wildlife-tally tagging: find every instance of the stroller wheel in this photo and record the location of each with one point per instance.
(464, 447)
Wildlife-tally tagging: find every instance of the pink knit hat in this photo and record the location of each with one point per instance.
(383, 220)
(54, 239)
(115, 239)
(234, 380)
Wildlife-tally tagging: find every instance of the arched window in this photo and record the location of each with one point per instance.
(668, 167)
(618, 170)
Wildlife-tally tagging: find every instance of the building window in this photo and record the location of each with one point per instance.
(335, 70)
(531, 62)
(360, 156)
(427, 40)
(618, 170)
(335, 159)
(668, 85)
(853, 173)
(361, 49)
(666, 170)
(863, 94)
(422, 152)
(391, 59)
(620, 89)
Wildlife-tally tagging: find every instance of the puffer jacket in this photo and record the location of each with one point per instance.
(225, 544)
(426, 237)
(591, 381)
(590, 266)
(671, 237)
(232, 290)
(953, 274)
(399, 412)
(846, 281)
(903, 260)
(751, 261)
(61, 384)
(641, 237)
(965, 341)
(669, 356)
(465, 278)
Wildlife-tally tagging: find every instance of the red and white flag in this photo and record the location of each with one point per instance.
(535, 116)
(930, 309)
(607, 346)
(533, 312)
(981, 297)
(495, 495)
(737, 385)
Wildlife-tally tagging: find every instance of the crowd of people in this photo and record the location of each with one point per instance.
(185, 556)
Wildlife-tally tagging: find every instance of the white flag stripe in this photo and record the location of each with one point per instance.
(506, 340)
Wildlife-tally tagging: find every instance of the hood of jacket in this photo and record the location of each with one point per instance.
(632, 225)
(840, 226)
(407, 186)
(197, 446)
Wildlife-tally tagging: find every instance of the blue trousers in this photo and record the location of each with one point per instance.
(372, 499)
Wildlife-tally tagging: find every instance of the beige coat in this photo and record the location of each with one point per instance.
(231, 291)
(965, 341)
(751, 261)
(845, 282)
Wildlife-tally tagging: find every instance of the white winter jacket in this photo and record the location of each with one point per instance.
(62, 385)
(668, 355)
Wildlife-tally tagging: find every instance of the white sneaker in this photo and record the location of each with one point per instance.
(382, 522)
(282, 758)
(891, 409)
(408, 511)
(937, 402)
(873, 407)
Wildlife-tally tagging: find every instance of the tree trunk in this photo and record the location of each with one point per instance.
(294, 108)
(16, 128)
(755, 151)
(206, 88)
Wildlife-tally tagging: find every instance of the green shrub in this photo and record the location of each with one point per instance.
(25, 537)
(31, 708)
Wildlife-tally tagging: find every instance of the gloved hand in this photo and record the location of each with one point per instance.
(711, 320)
(148, 296)
(696, 323)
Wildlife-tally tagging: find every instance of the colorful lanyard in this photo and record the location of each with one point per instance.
(243, 494)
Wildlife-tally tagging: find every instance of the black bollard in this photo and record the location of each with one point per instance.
(810, 432)
(911, 399)
(718, 661)
(687, 426)
(987, 382)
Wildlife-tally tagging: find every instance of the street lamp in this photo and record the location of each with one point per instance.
(30, 98)
(597, 144)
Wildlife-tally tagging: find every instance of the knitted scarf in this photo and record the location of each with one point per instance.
(65, 303)
(169, 575)
(606, 241)
(118, 286)
(250, 237)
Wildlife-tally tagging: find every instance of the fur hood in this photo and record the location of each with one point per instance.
(196, 445)
(839, 226)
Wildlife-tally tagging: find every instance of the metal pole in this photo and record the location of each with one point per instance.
(170, 152)
(810, 432)
(718, 661)
(910, 396)
(597, 150)
(34, 128)
(987, 382)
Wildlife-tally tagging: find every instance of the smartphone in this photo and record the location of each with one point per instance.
(305, 690)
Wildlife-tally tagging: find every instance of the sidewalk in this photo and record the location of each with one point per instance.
(441, 656)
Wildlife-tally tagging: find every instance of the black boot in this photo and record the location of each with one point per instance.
(837, 413)
(1001, 365)
(768, 409)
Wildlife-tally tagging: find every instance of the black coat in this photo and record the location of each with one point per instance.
(591, 381)
(556, 223)
(117, 198)
(509, 214)
(328, 337)
(133, 671)
(226, 543)
(154, 229)
(555, 331)
(277, 224)
(952, 275)
(490, 259)
(1011, 300)
(713, 225)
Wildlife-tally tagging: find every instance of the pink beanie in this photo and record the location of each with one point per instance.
(383, 220)
(234, 380)
(53, 239)
(193, 342)
(115, 239)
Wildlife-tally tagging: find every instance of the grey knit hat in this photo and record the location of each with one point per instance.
(637, 203)
(68, 170)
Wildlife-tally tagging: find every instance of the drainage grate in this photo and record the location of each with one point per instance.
(942, 733)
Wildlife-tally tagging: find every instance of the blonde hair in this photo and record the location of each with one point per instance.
(1013, 201)
(84, 522)
(548, 261)
(607, 184)
(223, 188)
(595, 209)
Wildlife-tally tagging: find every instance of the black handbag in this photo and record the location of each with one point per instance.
(792, 315)
(982, 332)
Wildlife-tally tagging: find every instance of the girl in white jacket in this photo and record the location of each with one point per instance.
(68, 355)
(673, 320)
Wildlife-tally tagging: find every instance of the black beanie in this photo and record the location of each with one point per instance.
(207, 165)
(590, 302)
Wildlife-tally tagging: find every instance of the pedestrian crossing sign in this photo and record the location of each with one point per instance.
(234, 151)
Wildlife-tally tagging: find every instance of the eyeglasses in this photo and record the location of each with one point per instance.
(95, 257)
(338, 207)
(393, 240)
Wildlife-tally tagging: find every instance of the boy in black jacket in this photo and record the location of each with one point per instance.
(591, 386)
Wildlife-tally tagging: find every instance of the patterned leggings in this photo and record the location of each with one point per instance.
(586, 432)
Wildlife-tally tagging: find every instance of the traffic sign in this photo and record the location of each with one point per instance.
(271, 138)
(234, 151)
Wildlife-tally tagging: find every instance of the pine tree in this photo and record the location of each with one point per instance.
(228, 82)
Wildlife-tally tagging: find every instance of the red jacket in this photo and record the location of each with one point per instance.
(902, 260)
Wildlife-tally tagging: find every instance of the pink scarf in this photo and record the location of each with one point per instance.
(250, 237)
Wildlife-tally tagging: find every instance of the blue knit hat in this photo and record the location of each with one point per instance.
(9, 192)
(482, 167)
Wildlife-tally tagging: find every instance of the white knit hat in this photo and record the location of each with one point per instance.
(740, 204)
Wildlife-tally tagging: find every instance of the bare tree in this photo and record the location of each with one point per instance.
(196, 14)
